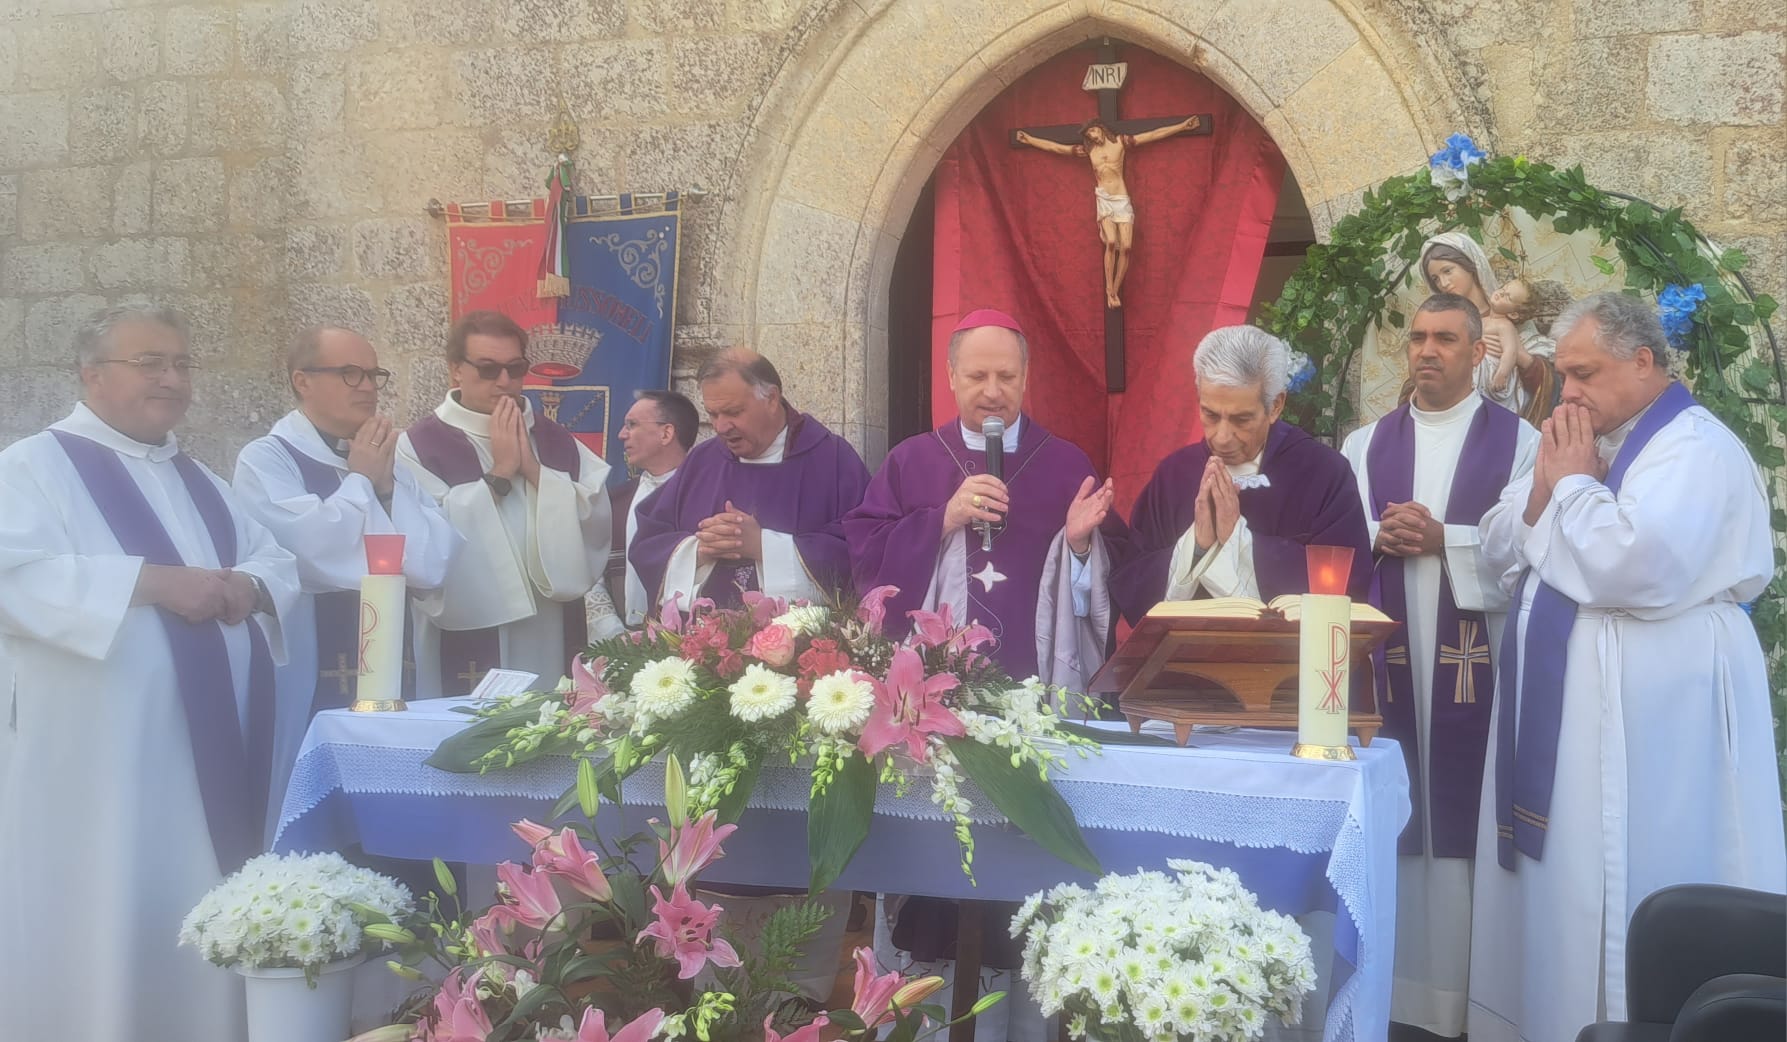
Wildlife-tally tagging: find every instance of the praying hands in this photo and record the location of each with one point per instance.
(729, 535)
(511, 448)
(1409, 530)
(1566, 447)
(1218, 506)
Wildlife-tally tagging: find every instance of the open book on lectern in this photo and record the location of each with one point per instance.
(1287, 607)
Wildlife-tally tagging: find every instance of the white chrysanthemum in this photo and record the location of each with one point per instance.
(805, 620)
(665, 687)
(762, 694)
(840, 703)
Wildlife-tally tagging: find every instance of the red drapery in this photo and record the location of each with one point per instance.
(1016, 231)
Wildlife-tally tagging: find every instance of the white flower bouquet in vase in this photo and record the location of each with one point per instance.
(1152, 957)
(292, 926)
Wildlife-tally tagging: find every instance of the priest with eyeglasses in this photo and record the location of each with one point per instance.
(532, 504)
(326, 477)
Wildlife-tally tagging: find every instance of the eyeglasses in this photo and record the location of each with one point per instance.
(633, 425)
(154, 365)
(353, 375)
(495, 370)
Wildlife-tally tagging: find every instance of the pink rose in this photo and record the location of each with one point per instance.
(773, 645)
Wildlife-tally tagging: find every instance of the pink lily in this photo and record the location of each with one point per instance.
(461, 1016)
(763, 607)
(873, 609)
(684, 932)
(532, 900)
(587, 686)
(670, 616)
(932, 629)
(531, 832)
(808, 1032)
(595, 1029)
(908, 708)
(487, 933)
(692, 847)
(563, 857)
(874, 993)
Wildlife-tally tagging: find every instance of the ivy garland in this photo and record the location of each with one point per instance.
(1342, 288)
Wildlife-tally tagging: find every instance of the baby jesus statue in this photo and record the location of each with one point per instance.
(1505, 352)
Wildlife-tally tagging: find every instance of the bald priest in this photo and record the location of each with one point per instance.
(1038, 580)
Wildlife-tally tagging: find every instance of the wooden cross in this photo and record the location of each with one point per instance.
(471, 675)
(1106, 80)
(1466, 655)
(341, 673)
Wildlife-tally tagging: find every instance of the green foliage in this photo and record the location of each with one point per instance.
(1340, 292)
(1030, 803)
(838, 819)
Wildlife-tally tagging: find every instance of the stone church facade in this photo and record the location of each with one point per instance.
(266, 165)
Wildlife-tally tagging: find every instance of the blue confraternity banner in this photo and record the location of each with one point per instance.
(614, 331)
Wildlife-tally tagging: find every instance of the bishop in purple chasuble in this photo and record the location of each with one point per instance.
(1016, 588)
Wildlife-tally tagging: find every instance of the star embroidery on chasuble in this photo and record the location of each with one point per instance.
(988, 576)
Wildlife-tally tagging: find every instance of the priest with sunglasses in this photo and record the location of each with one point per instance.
(326, 477)
(532, 504)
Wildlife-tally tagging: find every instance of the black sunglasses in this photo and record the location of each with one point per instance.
(492, 370)
(353, 375)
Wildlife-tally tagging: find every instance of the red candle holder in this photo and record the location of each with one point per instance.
(384, 554)
(1329, 568)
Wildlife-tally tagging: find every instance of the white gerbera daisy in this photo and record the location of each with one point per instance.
(762, 694)
(805, 620)
(665, 687)
(840, 703)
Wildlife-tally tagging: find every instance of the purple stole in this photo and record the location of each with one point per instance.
(338, 613)
(466, 655)
(232, 774)
(1458, 724)
(1526, 763)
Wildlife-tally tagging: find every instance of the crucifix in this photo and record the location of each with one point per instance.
(341, 674)
(1106, 141)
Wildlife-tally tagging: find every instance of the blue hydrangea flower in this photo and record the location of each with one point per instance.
(1449, 168)
(1302, 371)
(1675, 308)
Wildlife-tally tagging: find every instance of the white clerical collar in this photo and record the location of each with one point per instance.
(308, 438)
(1446, 417)
(1247, 475)
(649, 481)
(472, 422)
(977, 442)
(86, 423)
(773, 454)
(1609, 444)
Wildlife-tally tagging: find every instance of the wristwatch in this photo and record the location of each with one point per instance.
(263, 597)
(500, 486)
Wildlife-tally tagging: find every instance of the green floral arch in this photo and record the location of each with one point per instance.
(1344, 287)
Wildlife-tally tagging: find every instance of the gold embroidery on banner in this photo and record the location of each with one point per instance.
(1467, 654)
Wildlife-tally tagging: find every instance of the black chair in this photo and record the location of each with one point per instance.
(1704, 964)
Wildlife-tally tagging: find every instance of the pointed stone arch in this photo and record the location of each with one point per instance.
(866, 95)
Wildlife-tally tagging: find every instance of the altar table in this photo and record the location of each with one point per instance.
(1305, 835)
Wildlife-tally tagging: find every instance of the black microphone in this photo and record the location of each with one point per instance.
(993, 430)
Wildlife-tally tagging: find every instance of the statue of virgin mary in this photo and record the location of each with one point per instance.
(1453, 262)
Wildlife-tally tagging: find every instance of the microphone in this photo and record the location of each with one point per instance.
(993, 430)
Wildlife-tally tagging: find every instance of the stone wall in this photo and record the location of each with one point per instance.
(264, 165)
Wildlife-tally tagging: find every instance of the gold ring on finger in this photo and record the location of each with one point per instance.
(977, 501)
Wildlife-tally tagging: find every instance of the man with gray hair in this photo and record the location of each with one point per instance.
(1632, 747)
(1232, 514)
(142, 617)
(324, 479)
(760, 507)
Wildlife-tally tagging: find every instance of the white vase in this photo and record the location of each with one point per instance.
(282, 1007)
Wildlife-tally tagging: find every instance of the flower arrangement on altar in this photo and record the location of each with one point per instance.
(1152, 957)
(296, 911)
(729, 690)
(592, 941)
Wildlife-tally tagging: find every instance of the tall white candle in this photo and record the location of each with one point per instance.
(381, 638)
(1325, 648)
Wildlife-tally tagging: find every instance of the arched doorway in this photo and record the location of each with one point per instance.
(863, 105)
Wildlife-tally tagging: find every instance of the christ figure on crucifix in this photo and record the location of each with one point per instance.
(1116, 214)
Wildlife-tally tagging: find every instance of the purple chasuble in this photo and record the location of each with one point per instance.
(1458, 717)
(805, 495)
(447, 453)
(232, 772)
(896, 534)
(1312, 499)
(1526, 765)
(338, 613)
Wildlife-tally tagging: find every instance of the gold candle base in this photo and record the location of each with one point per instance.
(385, 705)
(1323, 752)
